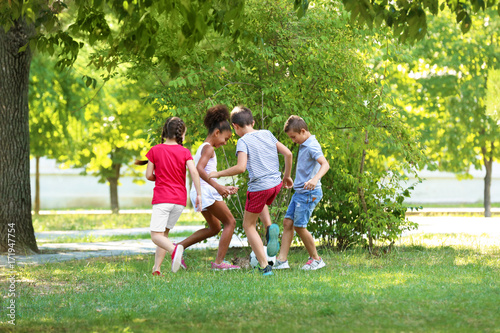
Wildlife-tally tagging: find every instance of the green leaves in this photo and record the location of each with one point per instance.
(408, 19)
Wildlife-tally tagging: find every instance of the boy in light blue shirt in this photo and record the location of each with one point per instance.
(311, 166)
(257, 152)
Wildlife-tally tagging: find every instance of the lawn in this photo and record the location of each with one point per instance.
(104, 221)
(438, 283)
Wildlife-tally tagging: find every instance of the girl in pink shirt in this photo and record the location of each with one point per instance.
(167, 168)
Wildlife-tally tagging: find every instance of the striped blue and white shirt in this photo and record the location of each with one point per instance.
(263, 163)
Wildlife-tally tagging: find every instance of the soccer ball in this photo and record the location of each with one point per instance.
(254, 262)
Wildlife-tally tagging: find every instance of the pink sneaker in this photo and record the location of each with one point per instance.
(183, 264)
(177, 257)
(224, 266)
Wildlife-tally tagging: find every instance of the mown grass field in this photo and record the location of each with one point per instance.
(428, 283)
(55, 222)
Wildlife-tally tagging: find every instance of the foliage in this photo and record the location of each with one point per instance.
(441, 84)
(493, 94)
(53, 99)
(308, 67)
(408, 18)
(434, 280)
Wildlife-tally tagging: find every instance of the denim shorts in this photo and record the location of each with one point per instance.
(302, 205)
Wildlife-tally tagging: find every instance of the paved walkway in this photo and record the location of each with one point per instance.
(77, 251)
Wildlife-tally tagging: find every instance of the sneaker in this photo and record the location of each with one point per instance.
(273, 243)
(157, 273)
(313, 265)
(224, 266)
(177, 257)
(281, 264)
(265, 271)
(183, 263)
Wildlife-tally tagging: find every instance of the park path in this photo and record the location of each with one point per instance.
(489, 227)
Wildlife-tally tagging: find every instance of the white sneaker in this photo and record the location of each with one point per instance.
(281, 264)
(313, 265)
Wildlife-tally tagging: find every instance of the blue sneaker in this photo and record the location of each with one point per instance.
(266, 271)
(273, 243)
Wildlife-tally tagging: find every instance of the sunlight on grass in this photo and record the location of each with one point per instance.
(104, 221)
(427, 283)
(99, 239)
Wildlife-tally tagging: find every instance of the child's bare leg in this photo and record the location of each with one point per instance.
(253, 237)
(286, 239)
(220, 210)
(265, 217)
(202, 234)
(163, 245)
(308, 241)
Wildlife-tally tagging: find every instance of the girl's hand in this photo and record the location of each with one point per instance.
(223, 190)
(198, 203)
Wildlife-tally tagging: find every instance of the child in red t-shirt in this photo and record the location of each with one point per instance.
(167, 168)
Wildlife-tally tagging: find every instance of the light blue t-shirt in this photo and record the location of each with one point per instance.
(307, 164)
(263, 164)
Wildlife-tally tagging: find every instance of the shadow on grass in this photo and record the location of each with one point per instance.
(412, 288)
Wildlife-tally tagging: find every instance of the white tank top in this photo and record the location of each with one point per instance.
(211, 164)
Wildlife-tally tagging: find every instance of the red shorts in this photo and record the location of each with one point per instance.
(257, 200)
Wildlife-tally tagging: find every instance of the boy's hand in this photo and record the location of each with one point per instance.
(288, 182)
(310, 184)
(233, 189)
(213, 174)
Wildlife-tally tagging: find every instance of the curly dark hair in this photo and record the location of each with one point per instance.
(217, 118)
(174, 128)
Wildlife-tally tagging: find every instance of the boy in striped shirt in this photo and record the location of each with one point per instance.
(257, 152)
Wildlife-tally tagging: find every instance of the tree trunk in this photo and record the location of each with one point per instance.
(488, 164)
(361, 193)
(16, 226)
(37, 186)
(113, 189)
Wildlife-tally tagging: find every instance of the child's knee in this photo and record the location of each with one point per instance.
(214, 230)
(231, 223)
(288, 224)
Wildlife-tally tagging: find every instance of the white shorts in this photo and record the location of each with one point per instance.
(209, 196)
(165, 216)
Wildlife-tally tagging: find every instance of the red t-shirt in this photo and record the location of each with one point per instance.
(170, 172)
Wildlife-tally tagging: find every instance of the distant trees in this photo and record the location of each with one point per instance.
(443, 84)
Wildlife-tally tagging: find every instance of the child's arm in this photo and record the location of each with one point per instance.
(206, 154)
(283, 150)
(196, 181)
(240, 167)
(325, 166)
(150, 172)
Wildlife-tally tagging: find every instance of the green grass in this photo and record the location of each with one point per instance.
(97, 239)
(65, 222)
(428, 283)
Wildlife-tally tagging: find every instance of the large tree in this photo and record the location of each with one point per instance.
(312, 68)
(443, 88)
(123, 30)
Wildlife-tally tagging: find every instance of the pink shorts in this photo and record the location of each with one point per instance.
(257, 200)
